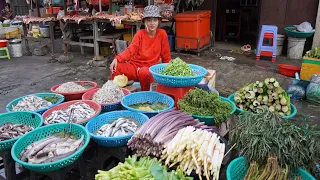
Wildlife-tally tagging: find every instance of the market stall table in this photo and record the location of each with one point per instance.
(51, 24)
(67, 27)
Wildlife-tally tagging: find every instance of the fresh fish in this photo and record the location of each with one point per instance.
(81, 111)
(31, 103)
(109, 93)
(120, 127)
(50, 149)
(9, 130)
(70, 87)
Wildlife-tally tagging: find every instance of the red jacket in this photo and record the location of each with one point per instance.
(145, 51)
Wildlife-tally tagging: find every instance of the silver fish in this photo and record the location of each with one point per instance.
(50, 149)
(119, 127)
(31, 103)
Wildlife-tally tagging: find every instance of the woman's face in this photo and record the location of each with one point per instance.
(152, 23)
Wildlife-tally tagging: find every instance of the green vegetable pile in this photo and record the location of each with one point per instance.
(52, 99)
(144, 168)
(177, 67)
(314, 53)
(259, 135)
(202, 103)
(265, 94)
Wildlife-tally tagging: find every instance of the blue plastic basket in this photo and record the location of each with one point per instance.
(109, 117)
(40, 111)
(237, 170)
(177, 81)
(293, 108)
(147, 96)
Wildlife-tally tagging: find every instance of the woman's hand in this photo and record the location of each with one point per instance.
(113, 66)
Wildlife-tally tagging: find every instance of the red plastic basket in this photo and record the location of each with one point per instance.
(3, 43)
(288, 70)
(109, 106)
(65, 105)
(69, 96)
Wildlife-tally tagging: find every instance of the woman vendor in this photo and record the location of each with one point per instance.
(146, 49)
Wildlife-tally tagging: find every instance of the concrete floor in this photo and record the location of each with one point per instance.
(32, 74)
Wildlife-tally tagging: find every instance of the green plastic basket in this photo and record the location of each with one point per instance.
(292, 106)
(44, 132)
(209, 120)
(30, 118)
(291, 33)
(238, 167)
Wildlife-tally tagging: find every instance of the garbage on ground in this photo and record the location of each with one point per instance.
(227, 58)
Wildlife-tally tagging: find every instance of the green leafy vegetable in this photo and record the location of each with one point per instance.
(144, 168)
(156, 106)
(257, 135)
(177, 67)
(202, 103)
(52, 99)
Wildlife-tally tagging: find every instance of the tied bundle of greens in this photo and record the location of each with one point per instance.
(264, 94)
(177, 67)
(202, 103)
(258, 135)
(142, 168)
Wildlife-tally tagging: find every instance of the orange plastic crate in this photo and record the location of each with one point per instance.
(190, 26)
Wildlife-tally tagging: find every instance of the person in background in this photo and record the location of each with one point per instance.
(148, 46)
(6, 13)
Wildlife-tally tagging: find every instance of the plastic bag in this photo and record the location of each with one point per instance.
(313, 90)
(304, 27)
(297, 89)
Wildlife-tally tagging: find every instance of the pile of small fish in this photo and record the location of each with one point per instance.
(120, 127)
(51, 149)
(70, 87)
(109, 93)
(31, 103)
(81, 111)
(10, 131)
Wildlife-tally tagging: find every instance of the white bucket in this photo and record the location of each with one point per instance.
(280, 42)
(15, 50)
(45, 31)
(295, 47)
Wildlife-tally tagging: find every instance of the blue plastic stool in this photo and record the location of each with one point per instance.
(6, 51)
(270, 32)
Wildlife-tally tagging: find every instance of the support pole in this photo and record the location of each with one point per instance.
(316, 37)
(100, 6)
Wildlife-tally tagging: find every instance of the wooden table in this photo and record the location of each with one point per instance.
(67, 28)
(52, 37)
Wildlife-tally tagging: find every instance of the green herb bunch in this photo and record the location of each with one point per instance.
(202, 103)
(260, 134)
(177, 67)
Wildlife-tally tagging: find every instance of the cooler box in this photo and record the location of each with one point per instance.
(192, 26)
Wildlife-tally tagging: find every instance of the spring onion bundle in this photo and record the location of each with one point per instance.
(259, 135)
(267, 94)
(195, 150)
(155, 134)
(177, 67)
(202, 103)
(142, 168)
